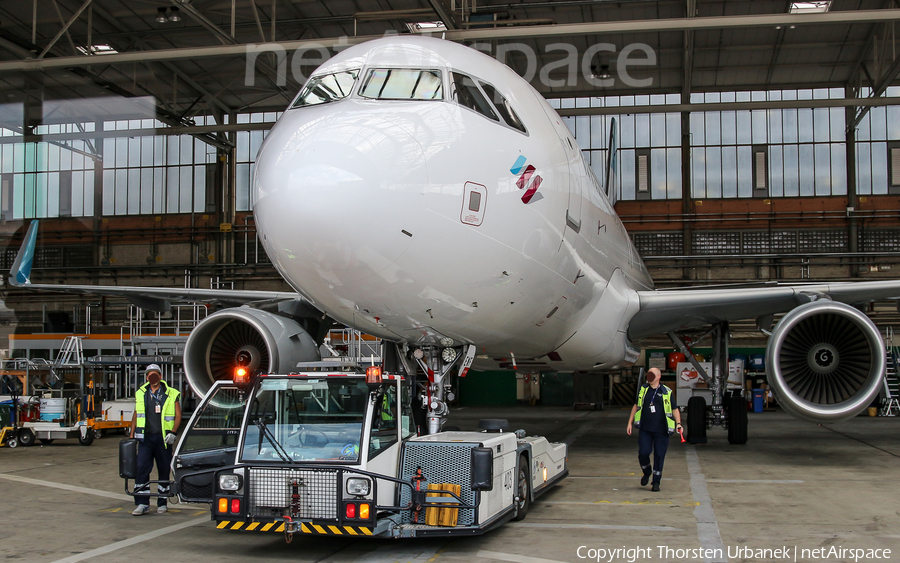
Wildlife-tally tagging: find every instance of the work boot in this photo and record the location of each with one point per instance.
(646, 478)
(141, 509)
(657, 477)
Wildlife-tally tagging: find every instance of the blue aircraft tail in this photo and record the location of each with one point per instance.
(20, 273)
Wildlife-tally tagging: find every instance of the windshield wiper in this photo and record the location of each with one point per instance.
(264, 431)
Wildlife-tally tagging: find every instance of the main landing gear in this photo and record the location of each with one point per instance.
(728, 409)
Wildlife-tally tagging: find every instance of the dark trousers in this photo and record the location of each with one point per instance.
(152, 448)
(658, 442)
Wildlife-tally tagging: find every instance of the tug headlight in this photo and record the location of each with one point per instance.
(229, 482)
(358, 487)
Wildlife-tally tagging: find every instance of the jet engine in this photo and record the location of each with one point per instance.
(825, 361)
(257, 340)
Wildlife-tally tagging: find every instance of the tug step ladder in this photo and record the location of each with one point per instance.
(890, 403)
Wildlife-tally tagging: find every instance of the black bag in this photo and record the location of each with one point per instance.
(128, 449)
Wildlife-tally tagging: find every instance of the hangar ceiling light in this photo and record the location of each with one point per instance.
(810, 7)
(97, 50)
(420, 27)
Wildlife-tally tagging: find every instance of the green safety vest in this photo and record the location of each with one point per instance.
(168, 409)
(667, 407)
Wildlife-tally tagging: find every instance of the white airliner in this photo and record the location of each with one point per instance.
(423, 192)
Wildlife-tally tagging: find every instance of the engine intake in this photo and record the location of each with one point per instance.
(825, 361)
(258, 340)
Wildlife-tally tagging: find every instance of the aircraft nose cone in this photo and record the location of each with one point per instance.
(359, 170)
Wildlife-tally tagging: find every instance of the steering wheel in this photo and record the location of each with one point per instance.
(307, 440)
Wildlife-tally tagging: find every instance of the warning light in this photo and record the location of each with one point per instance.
(364, 511)
(235, 506)
(223, 505)
(351, 510)
(241, 376)
(373, 377)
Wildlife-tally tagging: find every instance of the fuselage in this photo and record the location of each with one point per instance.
(426, 214)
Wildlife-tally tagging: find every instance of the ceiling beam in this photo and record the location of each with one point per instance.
(148, 132)
(65, 27)
(530, 32)
(445, 14)
(733, 106)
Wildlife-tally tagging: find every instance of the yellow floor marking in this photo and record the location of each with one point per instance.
(436, 555)
(280, 528)
(267, 526)
(350, 530)
(252, 526)
(319, 529)
(223, 524)
(200, 513)
(237, 525)
(366, 531)
(116, 509)
(336, 530)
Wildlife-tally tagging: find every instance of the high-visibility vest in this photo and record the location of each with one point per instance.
(168, 410)
(667, 406)
(386, 414)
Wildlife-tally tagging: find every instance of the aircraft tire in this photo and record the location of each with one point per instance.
(696, 420)
(737, 420)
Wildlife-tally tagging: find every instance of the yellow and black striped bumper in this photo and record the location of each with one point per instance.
(305, 527)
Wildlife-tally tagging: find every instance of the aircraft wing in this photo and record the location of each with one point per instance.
(665, 310)
(152, 298)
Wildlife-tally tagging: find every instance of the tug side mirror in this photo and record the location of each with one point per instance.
(128, 458)
(482, 469)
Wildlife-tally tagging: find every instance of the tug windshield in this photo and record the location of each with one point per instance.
(309, 420)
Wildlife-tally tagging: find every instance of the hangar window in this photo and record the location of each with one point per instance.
(467, 94)
(810, 7)
(327, 88)
(503, 108)
(402, 84)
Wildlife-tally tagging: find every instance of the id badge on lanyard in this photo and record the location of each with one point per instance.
(652, 406)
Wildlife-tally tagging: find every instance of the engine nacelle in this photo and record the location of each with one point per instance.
(825, 361)
(259, 340)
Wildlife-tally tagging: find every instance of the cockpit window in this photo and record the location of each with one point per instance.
(402, 84)
(326, 88)
(467, 94)
(502, 104)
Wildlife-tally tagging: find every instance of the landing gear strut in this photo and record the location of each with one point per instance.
(727, 410)
(437, 363)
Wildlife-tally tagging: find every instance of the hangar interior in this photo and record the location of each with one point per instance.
(757, 140)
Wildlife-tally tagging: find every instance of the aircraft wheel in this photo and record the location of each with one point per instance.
(737, 420)
(696, 420)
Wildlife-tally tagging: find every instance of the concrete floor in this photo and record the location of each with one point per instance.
(794, 484)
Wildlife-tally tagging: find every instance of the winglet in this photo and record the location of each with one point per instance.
(20, 273)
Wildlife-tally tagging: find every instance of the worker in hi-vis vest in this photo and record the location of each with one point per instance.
(657, 416)
(157, 416)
